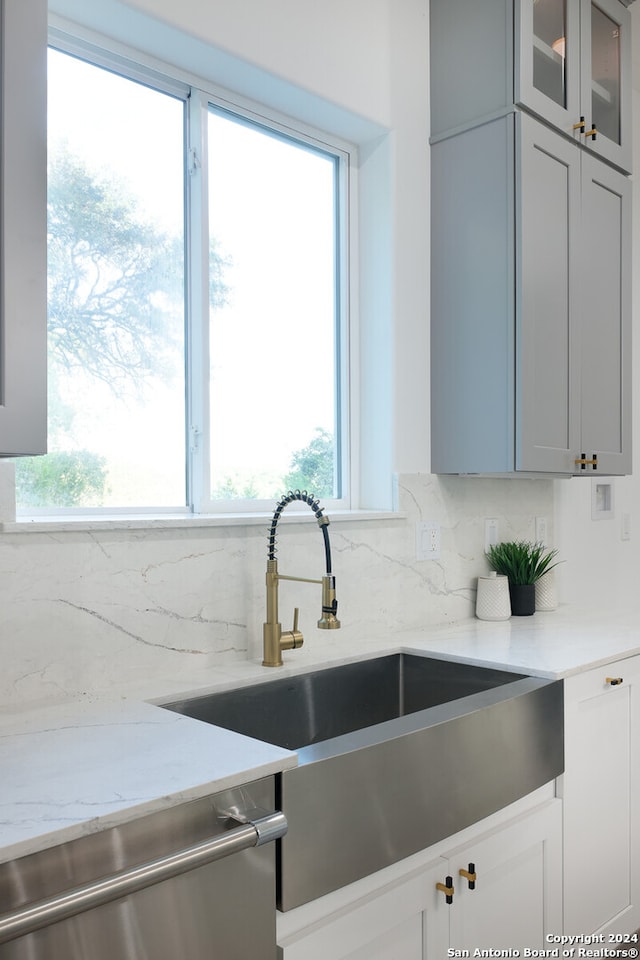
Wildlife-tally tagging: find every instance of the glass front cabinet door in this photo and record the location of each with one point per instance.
(574, 70)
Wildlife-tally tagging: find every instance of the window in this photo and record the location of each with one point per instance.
(272, 343)
(197, 301)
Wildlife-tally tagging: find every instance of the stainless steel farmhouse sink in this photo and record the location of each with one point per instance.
(394, 754)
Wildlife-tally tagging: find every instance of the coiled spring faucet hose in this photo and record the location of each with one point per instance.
(323, 522)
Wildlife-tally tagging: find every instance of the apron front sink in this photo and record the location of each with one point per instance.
(394, 754)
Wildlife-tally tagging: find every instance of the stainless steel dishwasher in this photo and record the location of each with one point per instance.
(196, 880)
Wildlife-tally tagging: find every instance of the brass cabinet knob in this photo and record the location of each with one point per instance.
(614, 681)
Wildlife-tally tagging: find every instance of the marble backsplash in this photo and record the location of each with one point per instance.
(95, 613)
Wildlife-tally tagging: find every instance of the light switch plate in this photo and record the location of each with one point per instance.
(490, 533)
(625, 528)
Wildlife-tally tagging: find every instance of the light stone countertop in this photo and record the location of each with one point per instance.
(72, 769)
(555, 644)
(69, 769)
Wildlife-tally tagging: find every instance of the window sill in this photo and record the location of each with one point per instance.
(178, 521)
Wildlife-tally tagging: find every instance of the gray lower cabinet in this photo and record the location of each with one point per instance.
(23, 226)
(530, 312)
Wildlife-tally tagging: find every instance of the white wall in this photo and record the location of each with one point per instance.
(336, 49)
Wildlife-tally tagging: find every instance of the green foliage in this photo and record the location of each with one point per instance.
(311, 467)
(522, 562)
(233, 488)
(61, 479)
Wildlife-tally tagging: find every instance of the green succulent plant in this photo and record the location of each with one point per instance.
(521, 561)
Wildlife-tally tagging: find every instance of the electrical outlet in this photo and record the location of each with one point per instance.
(541, 530)
(427, 540)
(490, 533)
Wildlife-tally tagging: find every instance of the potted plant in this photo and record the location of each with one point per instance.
(523, 563)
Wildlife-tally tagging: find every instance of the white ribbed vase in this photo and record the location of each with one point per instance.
(546, 597)
(492, 598)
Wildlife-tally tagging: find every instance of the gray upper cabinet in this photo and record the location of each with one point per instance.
(605, 313)
(471, 62)
(566, 61)
(23, 211)
(572, 308)
(573, 69)
(531, 277)
(547, 318)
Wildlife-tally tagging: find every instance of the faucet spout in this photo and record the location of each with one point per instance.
(275, 639)
(328, 619)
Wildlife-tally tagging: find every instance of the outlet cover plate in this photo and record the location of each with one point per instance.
(427, 540)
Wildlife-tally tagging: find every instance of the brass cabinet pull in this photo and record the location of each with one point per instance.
(470, 875)
(447, 889)
(583, 461)
(614, 681)
(590, 133)
(580, 126)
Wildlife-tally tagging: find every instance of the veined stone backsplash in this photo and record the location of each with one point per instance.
(100, 612)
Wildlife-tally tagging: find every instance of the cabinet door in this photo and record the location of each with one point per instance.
(390, 923)
(548, 60)
(600, 800)
(605, 313)
(517, 899)
(23, 205)
(606, 79)
(547, 368)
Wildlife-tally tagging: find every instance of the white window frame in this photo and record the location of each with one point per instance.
(198, 95)
(199, 453)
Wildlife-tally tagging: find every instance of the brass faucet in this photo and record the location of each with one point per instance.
(274, 638)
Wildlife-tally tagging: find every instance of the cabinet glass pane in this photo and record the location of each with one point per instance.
(605, 74)
(550, 49)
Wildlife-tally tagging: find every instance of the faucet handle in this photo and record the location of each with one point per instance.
(292, 639)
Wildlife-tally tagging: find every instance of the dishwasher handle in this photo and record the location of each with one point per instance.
(253, 833)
